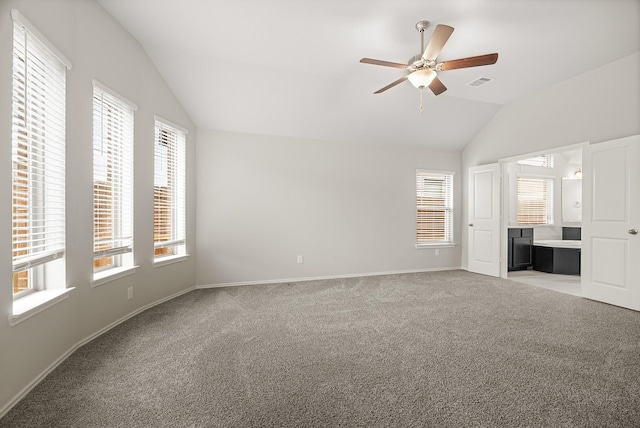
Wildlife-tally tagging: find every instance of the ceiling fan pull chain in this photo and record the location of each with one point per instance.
(421, 89)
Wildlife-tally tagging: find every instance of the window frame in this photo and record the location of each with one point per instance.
(38, 161)
(447, 208)
(540, 161)
(117, 138)
(548, 198)
(169, 207)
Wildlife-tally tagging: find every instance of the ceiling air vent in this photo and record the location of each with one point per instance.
(480, 81)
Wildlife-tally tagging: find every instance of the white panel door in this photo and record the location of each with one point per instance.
(484, 220)
(611, 221)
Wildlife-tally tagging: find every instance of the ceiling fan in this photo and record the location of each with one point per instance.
(422, 67)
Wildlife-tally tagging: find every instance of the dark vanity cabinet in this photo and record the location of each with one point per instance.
(520, 248)
(564, 261)
(571, 233)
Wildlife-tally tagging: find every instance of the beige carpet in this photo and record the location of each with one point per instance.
(445, 349)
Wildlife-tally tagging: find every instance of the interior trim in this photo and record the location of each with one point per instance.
(315, 278)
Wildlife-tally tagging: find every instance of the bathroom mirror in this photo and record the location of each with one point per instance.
(571, 200)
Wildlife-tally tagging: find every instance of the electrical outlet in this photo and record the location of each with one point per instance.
(437, 251)
(300, 259)
(129, 293)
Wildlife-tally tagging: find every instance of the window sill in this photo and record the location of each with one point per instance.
(100, 278)
(162, 261)
(424, 245)
(36, 302)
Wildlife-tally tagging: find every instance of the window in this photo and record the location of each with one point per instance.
(169, 190)
(38, 161)
(535, 200)
(112, 180)
(545, 161)
(434, 200)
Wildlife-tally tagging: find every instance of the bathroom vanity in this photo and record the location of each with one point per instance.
(561, 256)
(557, 256)
(520, 245)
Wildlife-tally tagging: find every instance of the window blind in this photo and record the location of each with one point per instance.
(38, 155)
(113, 139)
(535, 200)
(545, 161)
(169, 196)
(434, 200)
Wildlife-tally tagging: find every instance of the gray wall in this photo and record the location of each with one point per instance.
(601, 105)
(347, 208)
(99, 49)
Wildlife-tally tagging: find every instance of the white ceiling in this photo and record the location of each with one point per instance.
(290, 67)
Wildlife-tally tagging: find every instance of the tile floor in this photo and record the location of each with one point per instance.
(569, 284)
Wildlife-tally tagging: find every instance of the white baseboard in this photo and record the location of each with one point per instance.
(315, 278)
(5, 409)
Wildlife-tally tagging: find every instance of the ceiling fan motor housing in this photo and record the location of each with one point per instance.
(416, 62)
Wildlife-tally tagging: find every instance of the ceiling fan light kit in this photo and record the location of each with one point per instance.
(422, 78)
(423, 67)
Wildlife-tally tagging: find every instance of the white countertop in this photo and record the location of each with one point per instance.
(558, 243)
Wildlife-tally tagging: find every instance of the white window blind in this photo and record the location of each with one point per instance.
(113, 125)
(545, 161)
(434, 200)
(169, 195)
(535, 200)
(38, 157)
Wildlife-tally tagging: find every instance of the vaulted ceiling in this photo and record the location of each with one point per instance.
(291, 67)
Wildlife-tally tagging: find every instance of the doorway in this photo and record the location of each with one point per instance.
(609, 246)
(542, 219)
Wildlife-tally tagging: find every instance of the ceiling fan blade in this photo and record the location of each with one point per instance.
(472, 61)
(440, 36)
(437, 87)
(391, 85)
(384, 63)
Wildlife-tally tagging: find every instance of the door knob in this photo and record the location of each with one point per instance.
(633, 231)
(471, 225)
